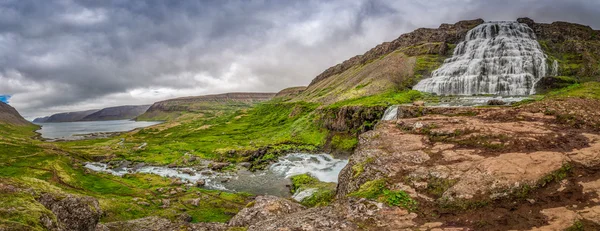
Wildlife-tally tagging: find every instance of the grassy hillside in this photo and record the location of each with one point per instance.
(225, 136)
(30, 168)
(392, 72)
(199, 105)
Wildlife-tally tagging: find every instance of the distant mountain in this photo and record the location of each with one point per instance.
(65, 117)
(10, 115)
(110, 113)
(117, 113)
(173, 108)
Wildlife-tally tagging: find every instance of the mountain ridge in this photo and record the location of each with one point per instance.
(10, 115)
(173, 108)
(109, 113)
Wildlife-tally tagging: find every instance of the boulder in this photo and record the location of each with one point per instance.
(264, 208)
(72, 212)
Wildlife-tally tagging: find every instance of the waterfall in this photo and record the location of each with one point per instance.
(391, 113)
(500, 58)
(555, 68)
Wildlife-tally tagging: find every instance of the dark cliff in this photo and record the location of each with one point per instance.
(10, 115)
(117, 113)
(575, 47)
(65, 117)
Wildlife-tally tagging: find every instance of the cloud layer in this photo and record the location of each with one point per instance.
(65, 55)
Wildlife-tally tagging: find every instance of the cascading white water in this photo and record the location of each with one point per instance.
(500, 58)
(555, 68)
(391, 113)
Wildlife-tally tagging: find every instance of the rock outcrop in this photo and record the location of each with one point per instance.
(265, 208)
(10, 115)
(72, 212)
(575, 47)
(290, 92)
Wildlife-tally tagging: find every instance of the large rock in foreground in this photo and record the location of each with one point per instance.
(72, 212)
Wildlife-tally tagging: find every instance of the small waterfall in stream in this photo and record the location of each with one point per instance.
(555, 68)
(391, 113)
(500, 58)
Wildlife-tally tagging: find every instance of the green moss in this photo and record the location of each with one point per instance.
(302, 180)
(589, 90)
(556, 176)
(437, 186)
(399, 198)
(577, 226)
(359, 168)
(344, 142)
(384, 99)
(377, 190)
(370, 189)
(324, 194)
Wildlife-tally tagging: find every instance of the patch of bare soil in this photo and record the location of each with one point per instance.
(523, 210)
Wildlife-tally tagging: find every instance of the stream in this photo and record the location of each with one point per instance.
(272, 181)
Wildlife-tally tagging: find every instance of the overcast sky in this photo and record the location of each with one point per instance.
(66, 55)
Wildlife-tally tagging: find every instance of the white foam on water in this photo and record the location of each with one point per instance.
(322, 166)
(301, 195)
(391, 113)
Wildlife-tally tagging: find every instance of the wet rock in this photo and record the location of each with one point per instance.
(138, 166)
(200, 183)
(264, 208)
(495, 102)
(246, 164)
(177, 182)
(188, 171)
(73, 213)
(219, 166)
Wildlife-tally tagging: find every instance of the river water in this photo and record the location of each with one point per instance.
(74, 130)
(272, 181)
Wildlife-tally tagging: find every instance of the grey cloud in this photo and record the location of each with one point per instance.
(60, 55)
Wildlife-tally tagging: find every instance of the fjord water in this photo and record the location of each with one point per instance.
(499, 58)
(272, 181)
(71, 130)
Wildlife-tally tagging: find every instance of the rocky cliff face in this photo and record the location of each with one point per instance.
(110, 113)
(173, 108)
(575, 47)
(65, 117)
(446, 33)
(9, 115)
(117, 113)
